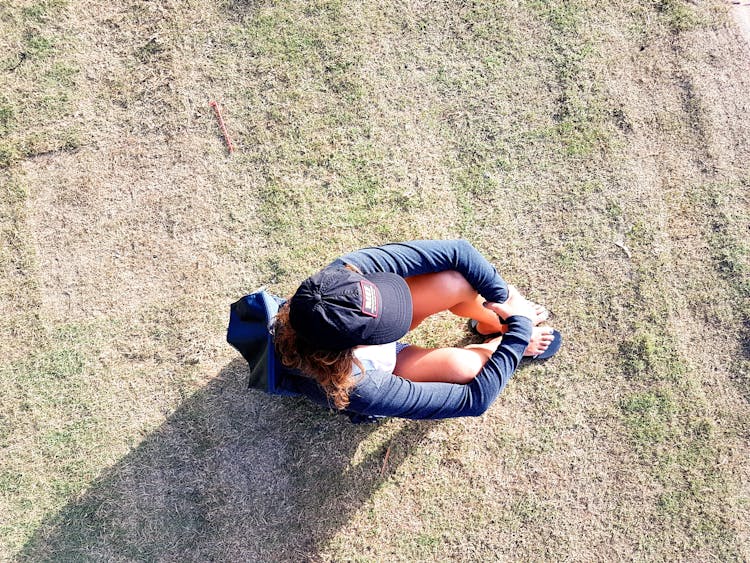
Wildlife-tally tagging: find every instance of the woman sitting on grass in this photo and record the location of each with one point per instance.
(341, 330)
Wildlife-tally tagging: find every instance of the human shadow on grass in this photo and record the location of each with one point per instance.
(233, 474)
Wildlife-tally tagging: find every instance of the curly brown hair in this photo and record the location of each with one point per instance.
(332, 370)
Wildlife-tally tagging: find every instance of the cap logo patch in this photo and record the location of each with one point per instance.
(370, 296)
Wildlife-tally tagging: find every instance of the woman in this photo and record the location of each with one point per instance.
(341, 330)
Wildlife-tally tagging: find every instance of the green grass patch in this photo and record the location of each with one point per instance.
(680, 449)
(19, 288)
(39, 84)
(730, 256)
(7, 116)
(649, 416)
(679, 14)
(581, 113)
(37, 46)
(648, 355)
(53, 428)
(43, 11)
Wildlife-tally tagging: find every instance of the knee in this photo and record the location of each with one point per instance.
(464, 367)
(457, 284)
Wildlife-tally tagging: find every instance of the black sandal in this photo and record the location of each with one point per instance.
(473, 329)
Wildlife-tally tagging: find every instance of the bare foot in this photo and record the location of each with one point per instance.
(541, 314)
(541, 338)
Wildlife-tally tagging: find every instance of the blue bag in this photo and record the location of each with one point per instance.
(249, 332)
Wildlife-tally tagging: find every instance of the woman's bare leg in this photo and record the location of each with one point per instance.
(434, 293)
(449, 291)
(459, 365)
(449, 365)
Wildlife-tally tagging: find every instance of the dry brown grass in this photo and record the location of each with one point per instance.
(597, 153)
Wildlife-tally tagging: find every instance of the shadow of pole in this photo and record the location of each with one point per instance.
(232, 474)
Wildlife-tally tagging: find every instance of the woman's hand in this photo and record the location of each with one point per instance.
(516, 304)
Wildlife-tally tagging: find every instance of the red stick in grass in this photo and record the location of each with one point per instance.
(223, 127)
(385, 461)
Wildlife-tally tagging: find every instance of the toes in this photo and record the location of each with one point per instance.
(542, 338)
(542, 314)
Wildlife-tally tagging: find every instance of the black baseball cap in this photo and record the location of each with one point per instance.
(337, 308)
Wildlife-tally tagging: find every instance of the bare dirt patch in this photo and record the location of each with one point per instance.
(122, 228)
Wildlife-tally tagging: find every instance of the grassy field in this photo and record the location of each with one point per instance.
(597, 152)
